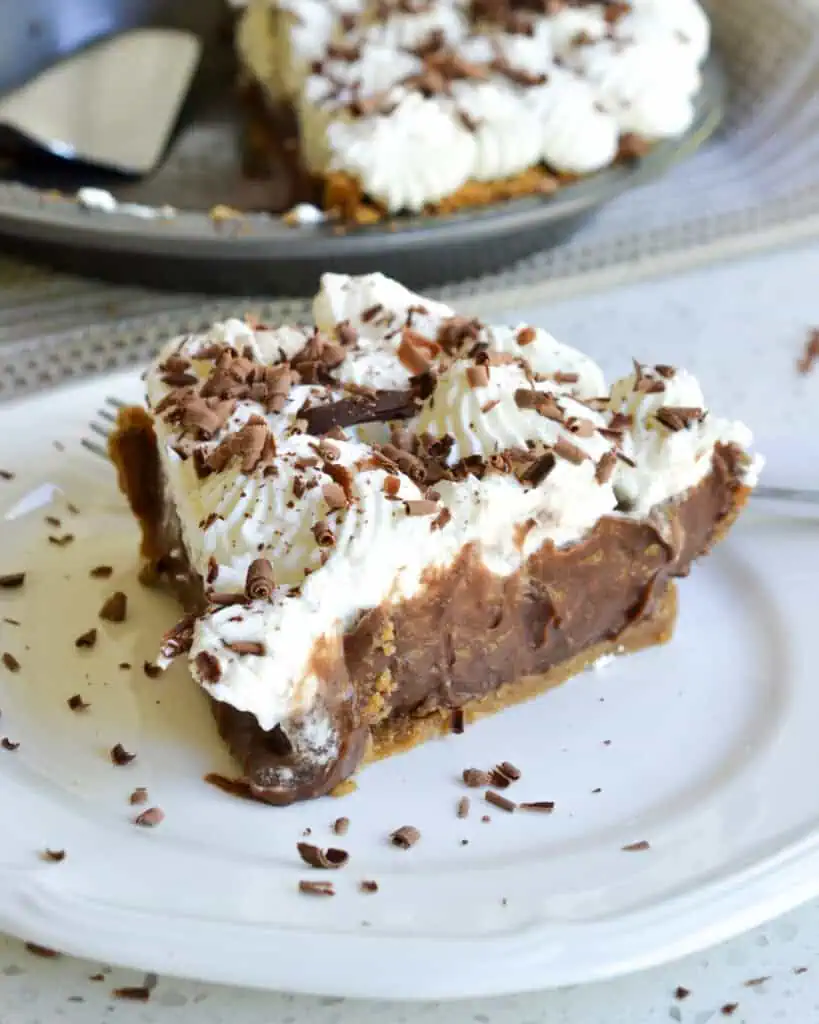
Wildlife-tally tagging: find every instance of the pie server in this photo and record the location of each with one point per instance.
(100, 81)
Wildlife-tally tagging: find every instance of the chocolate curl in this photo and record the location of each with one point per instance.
(323, 534)
(178, 640)
(259, 583)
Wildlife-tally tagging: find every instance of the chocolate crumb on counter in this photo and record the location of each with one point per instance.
(341, 826)
(368, 885)
(642, 844)
(43, 951)
(138, 796)
(101, 572)
(475, 778)
(331, 858)
(87, 639)
(462, 809)
(76, 703)
(53, 856)
(115, 607)
(10, 662)
(810, 354)
(150, 818)
(120, 756)
(317, 888)
(9, 745)
(405, 837)
(499, 800)
(12, 580)
(543, 806)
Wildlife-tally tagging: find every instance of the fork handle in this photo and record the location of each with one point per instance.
(792, 494)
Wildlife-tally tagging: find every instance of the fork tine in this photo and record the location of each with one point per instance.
(107, 415)
(116, 402)
(96, 449)
(99, 429)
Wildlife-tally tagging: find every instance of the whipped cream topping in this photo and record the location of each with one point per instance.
(415, 98)
(496, 437)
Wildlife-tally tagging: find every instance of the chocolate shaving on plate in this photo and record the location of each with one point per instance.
(543, 806)
(405, 837)
(341, 826)
(43, 951)
(53, 856)
(637, 847)
(76, 703)
(462, 809)
(87, 639)
(9, 745)
(348, 412)
(499, 800)
(10, 662)
(101, 572)
(120, 756)
(331, 858)
(368, 885)
(12, 580)
(138, 796)
(61, 542)
(316, 888)
(150, 818)
(475, 778)
(115, 608)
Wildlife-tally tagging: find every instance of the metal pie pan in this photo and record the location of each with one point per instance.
(259, 254)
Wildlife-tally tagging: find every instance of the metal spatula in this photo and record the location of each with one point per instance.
(113, 104)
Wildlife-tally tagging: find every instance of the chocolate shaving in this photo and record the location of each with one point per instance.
(411, 351)
(10, 662)
(605, 467)
(526, 335)
(462, 810)
(477, 376)
(643, 844)
(150, 818)
(570, 452)
(208, 667)
(810, 355)
(325, 537)
(539, 470)
(252, 647)
(441, 520)
(728, 1009)
(61, 542)
(317, 888)
(12, 580)
(151, 670)
(53, 856)
(120, 756)
(138, 796)
(510, 771)
(541, 402)
(499, 800)
(341, 826)
(405, 837)
(457, 721)
(133, 993)
(331, 858)
(6, 474)
(421, 507)
(115, 608)
(259, 582)
(76, 703)
(680, 992)
(177, 640)
(334, 496)
(101, 572)
(348, 412)
(87, 639)
(475, 778)
(544, 806)
(9, 745)
(43, 951)
(368, 885)
(678, 417)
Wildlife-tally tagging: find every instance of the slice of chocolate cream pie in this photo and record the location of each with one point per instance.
(402, 519)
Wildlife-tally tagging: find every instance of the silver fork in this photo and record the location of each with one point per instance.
(108, 414)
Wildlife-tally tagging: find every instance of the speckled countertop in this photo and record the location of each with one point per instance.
(741, 328)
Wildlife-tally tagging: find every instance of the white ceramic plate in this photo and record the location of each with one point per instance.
(706, 750)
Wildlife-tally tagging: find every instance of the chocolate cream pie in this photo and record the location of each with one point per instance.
(401, 519)
(434, 105)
